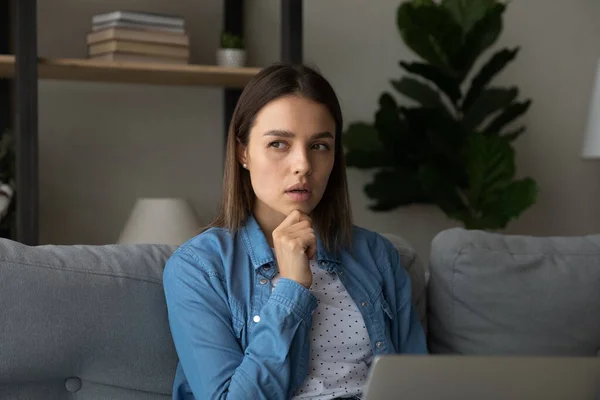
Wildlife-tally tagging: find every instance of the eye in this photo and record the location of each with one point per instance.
(320, 146)
(278, 145)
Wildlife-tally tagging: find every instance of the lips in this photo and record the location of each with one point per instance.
(299, 188)
(299, 192)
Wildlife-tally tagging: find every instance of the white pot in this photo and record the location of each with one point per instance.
(231, 57)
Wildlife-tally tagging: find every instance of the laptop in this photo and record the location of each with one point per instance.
(408, 377)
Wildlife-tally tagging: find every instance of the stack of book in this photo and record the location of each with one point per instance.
(139, 37)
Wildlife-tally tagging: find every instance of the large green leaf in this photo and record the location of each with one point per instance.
(442, 190)
(362, 136)
(418, 91)
(435, 131)
(496, 63)
(420, 123)
(490, 166)
(508, 205)
(517, 197)
(509, 114)
(388, 123)
(433, 136)
(494, 197)
(489, 102)
(443, 144)
(484, 33)
(431, 32)
(394, 188)
(467, 12)
(445, 83)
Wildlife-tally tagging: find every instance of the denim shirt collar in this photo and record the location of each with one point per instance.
(260, 252)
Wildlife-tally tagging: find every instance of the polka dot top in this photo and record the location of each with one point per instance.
(340, 351)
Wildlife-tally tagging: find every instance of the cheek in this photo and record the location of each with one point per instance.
(325, 167)
(266, 179)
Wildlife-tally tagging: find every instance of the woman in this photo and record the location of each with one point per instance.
(281, 297)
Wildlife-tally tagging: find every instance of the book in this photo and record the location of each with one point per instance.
(138, 48)
(137, 25)
(137, 35)
(127, 57)
(138, 17)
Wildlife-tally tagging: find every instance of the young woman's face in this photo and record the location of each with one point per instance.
(290, 155)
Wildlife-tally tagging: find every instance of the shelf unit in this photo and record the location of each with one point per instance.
(134, 72)
(25, 68)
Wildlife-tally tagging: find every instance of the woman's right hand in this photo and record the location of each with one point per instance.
(295, 244)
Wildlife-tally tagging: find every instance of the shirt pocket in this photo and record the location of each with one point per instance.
(386, 322)
(387, 310)
(238, 324)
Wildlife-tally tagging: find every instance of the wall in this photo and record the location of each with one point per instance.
(358, 49)
(104, 145)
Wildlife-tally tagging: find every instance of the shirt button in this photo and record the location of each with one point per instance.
(364, 304)
(263, 281)
(267, 267)
(341, 273)
(379, 345)
(322, 263)
(256, 318)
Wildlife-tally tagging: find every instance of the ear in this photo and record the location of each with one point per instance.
(241, 153)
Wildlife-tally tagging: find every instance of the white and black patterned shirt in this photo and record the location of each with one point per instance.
(340, 350)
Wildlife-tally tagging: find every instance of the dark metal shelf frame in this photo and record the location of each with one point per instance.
(24, 15)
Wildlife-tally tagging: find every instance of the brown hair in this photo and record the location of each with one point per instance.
(332, 216)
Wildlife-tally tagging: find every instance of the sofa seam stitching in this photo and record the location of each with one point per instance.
(91, 272)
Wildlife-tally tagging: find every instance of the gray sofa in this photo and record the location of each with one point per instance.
(90, 322)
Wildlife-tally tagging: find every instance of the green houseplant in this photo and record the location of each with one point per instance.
(453, 145)
(231, 52)
(231, 41)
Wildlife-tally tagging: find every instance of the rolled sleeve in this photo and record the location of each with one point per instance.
(297, 298)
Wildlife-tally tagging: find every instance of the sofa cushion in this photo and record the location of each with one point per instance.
(507, 294)
(84, 319)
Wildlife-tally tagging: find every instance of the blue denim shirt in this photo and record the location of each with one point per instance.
(236, 338)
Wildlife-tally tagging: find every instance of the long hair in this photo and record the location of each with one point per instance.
(332, 216)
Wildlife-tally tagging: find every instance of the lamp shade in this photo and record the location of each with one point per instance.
(591, 144)
(160, 221)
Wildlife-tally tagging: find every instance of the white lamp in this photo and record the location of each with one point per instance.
(160, 221)
(591, 144)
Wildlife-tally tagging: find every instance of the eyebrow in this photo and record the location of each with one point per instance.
(288, 134)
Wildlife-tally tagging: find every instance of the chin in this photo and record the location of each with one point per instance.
(308, 208)
(304, 207)
(285, 206)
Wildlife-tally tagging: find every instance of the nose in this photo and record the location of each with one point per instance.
(301, 162)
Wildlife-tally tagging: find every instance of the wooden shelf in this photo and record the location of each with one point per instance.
(133, 72)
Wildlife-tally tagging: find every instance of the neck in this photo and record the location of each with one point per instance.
(268, 220)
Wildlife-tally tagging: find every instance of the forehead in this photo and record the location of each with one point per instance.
(296, 114)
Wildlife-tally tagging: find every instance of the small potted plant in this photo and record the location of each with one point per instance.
(231, 53)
